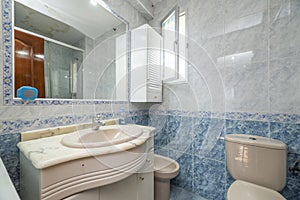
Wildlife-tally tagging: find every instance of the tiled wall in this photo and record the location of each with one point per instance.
(17, 116)
(243, 77)
(243, 59)
(243, 56)
(100, 63)
(193, 141)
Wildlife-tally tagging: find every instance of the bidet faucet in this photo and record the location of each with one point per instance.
(97, 122)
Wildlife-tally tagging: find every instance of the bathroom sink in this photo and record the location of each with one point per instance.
(68, 164)
(105, 136)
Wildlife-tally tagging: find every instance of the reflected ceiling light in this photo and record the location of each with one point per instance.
(22, 53)
(244, 22)
(93, 2)
(238, 58)
(40, 56)
(103, 4)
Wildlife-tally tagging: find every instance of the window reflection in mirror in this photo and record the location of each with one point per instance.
(70, 49)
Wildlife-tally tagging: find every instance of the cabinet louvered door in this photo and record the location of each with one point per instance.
(154, 82)
(146, 83)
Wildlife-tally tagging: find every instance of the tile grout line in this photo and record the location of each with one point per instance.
(268, 64)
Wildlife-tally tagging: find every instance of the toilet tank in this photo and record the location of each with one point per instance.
(255, 159)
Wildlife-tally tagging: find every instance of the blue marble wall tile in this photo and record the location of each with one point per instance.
(291, 190)
(247, 127)
(209, 178)
(178, 193)
(185, 177)
(159, 122)
(10, 156)
(161, 151)
(138, 119)
(181, 133)
(173, 125)
(289, 134)
(207, 143)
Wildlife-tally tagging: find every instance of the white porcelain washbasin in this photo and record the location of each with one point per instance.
(105, 136)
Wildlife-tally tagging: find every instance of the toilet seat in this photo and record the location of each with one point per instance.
(249, 191)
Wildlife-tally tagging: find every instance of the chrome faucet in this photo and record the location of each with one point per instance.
(97, 122)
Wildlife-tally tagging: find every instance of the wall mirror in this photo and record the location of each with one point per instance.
(70, 49)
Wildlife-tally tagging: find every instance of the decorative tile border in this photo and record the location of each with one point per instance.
(285, 118)
(8, 68)
(15, 126)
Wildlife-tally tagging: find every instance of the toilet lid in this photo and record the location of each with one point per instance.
(249, 191)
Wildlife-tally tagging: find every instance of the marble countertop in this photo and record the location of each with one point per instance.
(46, 152)
(7, 189)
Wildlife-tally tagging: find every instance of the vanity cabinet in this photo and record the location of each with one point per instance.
(92, 178)
(135, 187)
(146, 78)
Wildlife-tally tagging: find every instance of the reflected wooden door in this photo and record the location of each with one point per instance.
(29, 62)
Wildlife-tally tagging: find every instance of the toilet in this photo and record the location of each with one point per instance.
(258, 165)
(164, 170)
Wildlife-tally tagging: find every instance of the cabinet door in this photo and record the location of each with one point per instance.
(145, 186)
(125, 190)
(138, 64)
(86, 195)
(146, 83)
(154, 82)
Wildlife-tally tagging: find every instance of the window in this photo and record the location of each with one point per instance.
(174, 47)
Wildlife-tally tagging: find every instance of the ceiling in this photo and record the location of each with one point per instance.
(67, 20)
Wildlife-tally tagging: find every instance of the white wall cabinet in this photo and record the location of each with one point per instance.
(146, 79)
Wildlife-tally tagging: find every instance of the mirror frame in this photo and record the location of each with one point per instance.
(8, 64)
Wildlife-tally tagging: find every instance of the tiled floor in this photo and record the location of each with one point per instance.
(181, 194)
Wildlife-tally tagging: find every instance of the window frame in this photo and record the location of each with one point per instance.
(176, 79)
